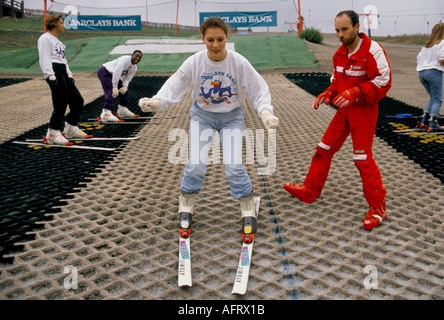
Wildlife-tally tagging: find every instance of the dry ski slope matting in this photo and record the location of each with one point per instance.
(117, 226)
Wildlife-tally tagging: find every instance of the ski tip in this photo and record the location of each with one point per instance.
(69, 143)
(238, 292)
(185, 285)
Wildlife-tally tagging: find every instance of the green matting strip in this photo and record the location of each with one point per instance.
(86, 55)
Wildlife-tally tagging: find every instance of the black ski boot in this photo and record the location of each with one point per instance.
(186, 208)
(249, 219)
(185, 220)
(424, 121)
(249, 229)
(434, 125)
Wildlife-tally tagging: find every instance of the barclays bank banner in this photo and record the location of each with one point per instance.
(239, 19)
(103, 23)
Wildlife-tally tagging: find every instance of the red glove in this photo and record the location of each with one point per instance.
(323, 97)
(347, 97)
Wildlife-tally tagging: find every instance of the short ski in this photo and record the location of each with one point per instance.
(137, 118)
(147, 118)
(421, 133)
(243, 269)
(113, 123)
(92, 139)
(407, 130)
(62, 146)
(414, 130)
(184, 269)
(406, 116)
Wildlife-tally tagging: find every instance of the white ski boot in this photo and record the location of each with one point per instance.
(186, 208)
(124, 112)
(74, 132)
(249, 218)
(107, 116)
(56, 137)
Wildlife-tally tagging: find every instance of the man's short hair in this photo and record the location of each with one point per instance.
(354, 17)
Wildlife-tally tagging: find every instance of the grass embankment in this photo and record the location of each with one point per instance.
(87, 50)
(416, 39)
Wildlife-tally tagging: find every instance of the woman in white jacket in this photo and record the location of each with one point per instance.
(431, 66)
(220, 79)
(57, 74)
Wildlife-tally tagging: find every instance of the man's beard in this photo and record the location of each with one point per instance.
(349, 42)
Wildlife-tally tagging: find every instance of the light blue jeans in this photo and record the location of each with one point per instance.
(431, 79)
(203, 126)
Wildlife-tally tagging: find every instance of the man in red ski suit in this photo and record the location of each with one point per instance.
(361, 78)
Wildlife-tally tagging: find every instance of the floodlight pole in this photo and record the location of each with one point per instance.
(367, 16)
(146, 22)
(177, 18)
(368, 22)
(300, 18)
(44, 15)
(298, 9)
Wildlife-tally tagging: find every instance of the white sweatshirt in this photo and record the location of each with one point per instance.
(51, 50)
(121, 67)
(428, 58)
(217, 86)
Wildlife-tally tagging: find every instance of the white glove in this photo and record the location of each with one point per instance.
(149, 104)
(269, 120)
(115, 92)
(123, 90)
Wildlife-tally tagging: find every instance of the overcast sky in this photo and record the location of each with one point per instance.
(395, 16)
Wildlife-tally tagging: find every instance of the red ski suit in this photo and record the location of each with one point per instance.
(369, 69)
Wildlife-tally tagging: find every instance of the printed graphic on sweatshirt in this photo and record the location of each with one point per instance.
(60, 50)
(125, 72)
(218, 87)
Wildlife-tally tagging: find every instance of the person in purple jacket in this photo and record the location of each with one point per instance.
(115, 77)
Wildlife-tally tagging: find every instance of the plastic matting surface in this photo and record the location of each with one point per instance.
(117, 227)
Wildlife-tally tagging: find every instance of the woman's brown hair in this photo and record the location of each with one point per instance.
(436, 36)
(52, 21)
(214, 22)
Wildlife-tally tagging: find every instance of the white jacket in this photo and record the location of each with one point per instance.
(428, 58)
(217, 86)
(121, 67)
(51, 50)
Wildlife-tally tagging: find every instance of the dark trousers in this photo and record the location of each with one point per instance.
(64, 93)
(107, 84)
